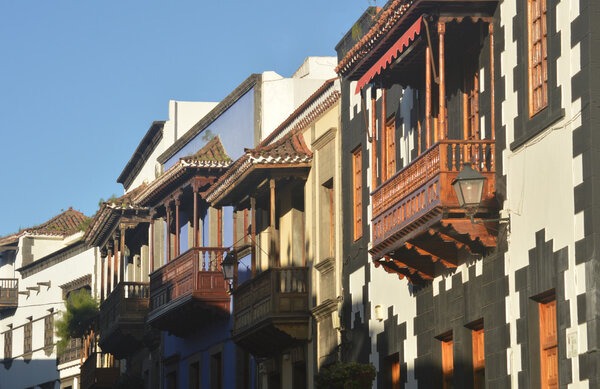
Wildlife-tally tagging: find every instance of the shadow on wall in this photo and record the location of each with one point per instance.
(18, 374)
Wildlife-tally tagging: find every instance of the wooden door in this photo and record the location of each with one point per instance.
(548, 345)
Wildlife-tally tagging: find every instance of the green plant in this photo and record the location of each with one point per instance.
(80, 311)
(84, 225)
(350, 375)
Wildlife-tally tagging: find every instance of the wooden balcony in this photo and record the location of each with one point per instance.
(9, 296)
(189, 291)
(271, 311)
(122, 318)
(71, 353)
(418, 225)
(99, 370)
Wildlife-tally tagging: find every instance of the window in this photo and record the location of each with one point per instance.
(478, 358)
(548, 344)
(194, 372)
(216, 371)
(27, 337)
(357, 187)
(49, 330)
(392, 371)
(8, 344)
(538, 55)
(471, 99)
(390, 149)
(447, 362)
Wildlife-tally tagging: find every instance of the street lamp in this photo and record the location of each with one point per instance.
(468, 186)
(228, 266)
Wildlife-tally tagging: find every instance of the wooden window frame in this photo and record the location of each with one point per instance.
(49, 330)
(447, 360)
(8, 344)
(478, 348)
(27, 337)
(471, 128)
(537, 50)
(392, 371)
(357, 192)
(390, 147)
(548, 340)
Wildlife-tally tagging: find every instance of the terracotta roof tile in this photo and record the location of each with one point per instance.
(64, 224)
(386, 19)
(290, 149)
(213, 151)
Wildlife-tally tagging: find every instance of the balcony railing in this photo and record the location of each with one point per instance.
(122, 317)
(71, 353)
(276, 298)
(423, 189)
(100, 370)
(194, 275)
(9, 296)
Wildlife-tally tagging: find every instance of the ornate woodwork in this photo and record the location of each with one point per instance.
(122, 318)
(189, 291)
(9, 296)
(271, 310)
(418, 226)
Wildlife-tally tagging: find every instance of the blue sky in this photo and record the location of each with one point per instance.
(81, 81)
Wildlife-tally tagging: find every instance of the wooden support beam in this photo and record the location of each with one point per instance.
(384, 139)
(253, 234)
(151, 246)
(273, 258)
(428, 97)
(195, 220)
(122, 250)
(168, 230)
(373, 138)
(442, 87)
(492, 92)
(116, 263)
(177, 247)
(435, 258)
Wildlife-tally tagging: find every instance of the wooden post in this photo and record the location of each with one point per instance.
(442, 87)
(428, 97)
(108, 272)
(384, 139)
(253, 235)
(272, 254)
(492, 97)
(195, 216)
(373, 138)
(151, 246)
(235, 229)
(168, 230)
(122, 255)
(116, 263)
(177, 204)
(220, 227)
(419, 142)
(102, 260)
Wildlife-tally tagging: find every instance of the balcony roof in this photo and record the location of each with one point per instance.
(108, 217)
(63, 224)
(288, 152)
(210, 160)
(392, 22)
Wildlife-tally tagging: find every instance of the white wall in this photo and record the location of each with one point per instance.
(182, 116)
(42, 367)
(541, 176)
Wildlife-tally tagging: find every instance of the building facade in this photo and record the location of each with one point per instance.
(40, 267)
(438, 295)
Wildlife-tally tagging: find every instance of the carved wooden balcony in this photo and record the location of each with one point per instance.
(71, 353)
(189, 291)
(99, 371)
(122, 318)
(418, 226)
(9, 296)
(271, 310)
